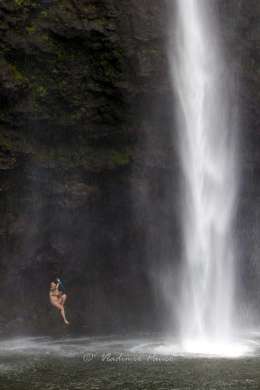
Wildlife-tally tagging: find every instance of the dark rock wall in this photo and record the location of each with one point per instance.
(88, 167)
(75, 77)
(243, 35)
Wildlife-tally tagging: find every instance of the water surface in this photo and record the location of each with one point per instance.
(121, 363)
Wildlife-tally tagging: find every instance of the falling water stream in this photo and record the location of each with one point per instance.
(207, 144)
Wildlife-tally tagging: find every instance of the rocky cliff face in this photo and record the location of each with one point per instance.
(242, 24)
(74, 79)
(87, 158)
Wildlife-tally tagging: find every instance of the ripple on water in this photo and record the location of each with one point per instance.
(45, 363)
(72, 347)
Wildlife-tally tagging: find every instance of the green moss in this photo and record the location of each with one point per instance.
(5, 142)
(40, 91)
(17, 75)
(84, 156)
(45, 37)
(91, 8)
(118, 53)
(152, 51)
(107, 69)
(120, 158)
(61, 54)
(20, 2)
(100, 23)
(31, 29)
(76, 116)
(79, 155)
(44, 13)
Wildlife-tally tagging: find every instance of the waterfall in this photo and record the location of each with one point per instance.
(208, 155)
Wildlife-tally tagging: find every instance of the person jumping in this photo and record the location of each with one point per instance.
(58, 298)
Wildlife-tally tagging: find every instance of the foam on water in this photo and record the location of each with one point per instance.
(209, 349)
(237, 348)
(75, 347)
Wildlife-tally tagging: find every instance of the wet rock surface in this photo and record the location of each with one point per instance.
(74, 79)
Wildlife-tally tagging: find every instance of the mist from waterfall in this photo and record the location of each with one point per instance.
(207, 139)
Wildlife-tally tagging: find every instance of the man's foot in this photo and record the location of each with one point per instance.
(66, 322)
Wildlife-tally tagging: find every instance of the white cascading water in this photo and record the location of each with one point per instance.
(207, 144)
